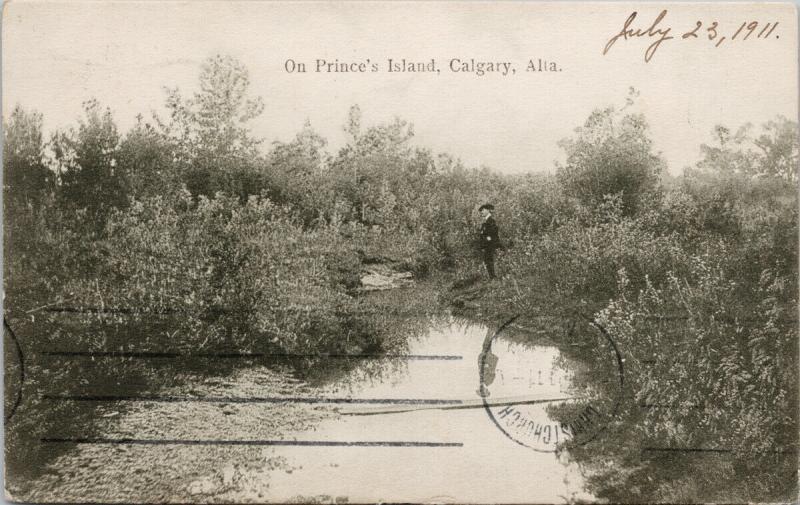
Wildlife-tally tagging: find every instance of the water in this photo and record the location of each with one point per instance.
(473, 454)
(488, 467)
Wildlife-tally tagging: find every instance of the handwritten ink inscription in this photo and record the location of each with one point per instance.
(659, 32)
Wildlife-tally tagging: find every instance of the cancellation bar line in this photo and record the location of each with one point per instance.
(146, 354)
(267, 399)
(300, 443)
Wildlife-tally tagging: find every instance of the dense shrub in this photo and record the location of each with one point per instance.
(25, 173)
(707, 369)
(241, 276)
(574, 267)
(86, 156)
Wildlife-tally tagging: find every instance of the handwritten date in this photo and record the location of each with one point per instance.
(658, 33)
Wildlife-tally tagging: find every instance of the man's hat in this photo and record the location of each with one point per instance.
(487, 206)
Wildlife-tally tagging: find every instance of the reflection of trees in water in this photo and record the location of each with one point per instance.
(398, 333)
(151, 354)
(594, 380)
(575, 349)
(529, 330)
(133, 360)
(395, 319)
(591, 361)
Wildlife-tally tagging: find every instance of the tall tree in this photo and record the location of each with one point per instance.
(297, 174)
(611, 154)
(367, 168)
(25, 174)
(211, 129)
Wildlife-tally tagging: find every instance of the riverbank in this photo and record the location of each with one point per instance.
(482, 301)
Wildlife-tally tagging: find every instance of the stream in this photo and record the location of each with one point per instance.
(488, 467)
(409, 427)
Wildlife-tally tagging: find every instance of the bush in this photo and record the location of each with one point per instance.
(574, 267)
(718, 371)
(242, 276)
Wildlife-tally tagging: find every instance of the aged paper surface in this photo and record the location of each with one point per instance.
(415, 252)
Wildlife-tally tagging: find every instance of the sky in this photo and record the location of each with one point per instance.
(58, 54)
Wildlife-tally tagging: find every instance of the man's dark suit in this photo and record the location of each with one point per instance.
(489, 243)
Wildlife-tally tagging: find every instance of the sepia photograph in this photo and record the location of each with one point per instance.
(400, 252)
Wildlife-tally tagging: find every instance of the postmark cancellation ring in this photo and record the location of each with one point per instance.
(546, 397)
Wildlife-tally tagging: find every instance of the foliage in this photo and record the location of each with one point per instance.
(611, 154)
(296, 176)
(146, 158)
(86, 158)
(25, 174)
(773, 153)
(698, 289)
(263, 282)
(723, 379)
(214, 147)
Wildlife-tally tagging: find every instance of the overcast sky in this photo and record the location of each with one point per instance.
(55, 55)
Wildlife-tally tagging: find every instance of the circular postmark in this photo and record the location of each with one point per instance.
(545, 395)
(15, 371)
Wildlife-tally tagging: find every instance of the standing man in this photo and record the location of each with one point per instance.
(490, 242)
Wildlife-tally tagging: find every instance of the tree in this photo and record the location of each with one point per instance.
(296, 172)
(25, 174)
(146, 157)
(211, 131)
(746, 176)
(373, 162)
(612, 154)
(305, 154)
(779, 147)
(87, 163)
(773, 153)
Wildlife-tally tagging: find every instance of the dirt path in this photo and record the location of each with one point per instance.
(182, 473)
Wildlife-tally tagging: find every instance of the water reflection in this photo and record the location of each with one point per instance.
(442, 364)
(383, 363)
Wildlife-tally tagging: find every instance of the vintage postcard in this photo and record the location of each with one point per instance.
(417, 252)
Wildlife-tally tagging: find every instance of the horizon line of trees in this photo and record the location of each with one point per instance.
(206, 145)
